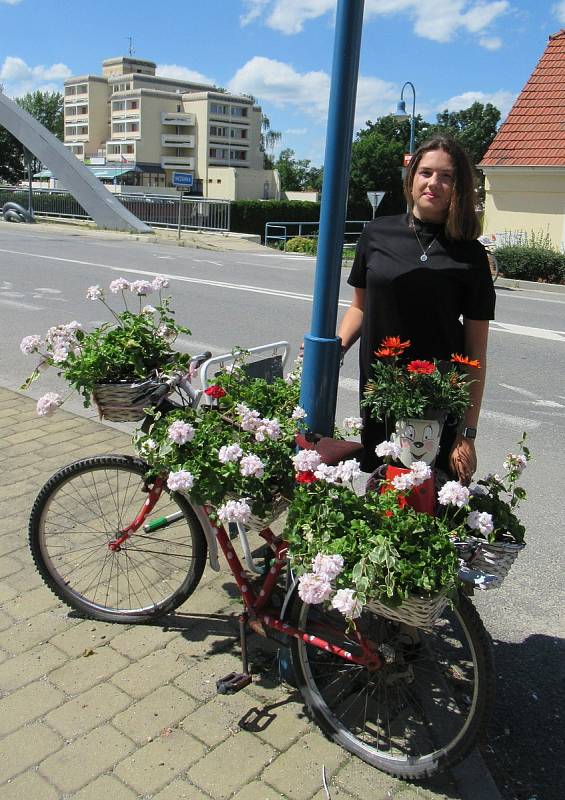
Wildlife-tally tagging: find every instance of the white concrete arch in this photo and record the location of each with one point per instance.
(105, 209)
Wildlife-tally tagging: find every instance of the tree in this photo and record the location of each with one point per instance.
(473, 127)
(296, 174)
(11, 162)
(269, 139)
(47, 108)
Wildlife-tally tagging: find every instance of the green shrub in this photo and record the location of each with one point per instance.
(302, 244)
(531, 263)
(251, 216)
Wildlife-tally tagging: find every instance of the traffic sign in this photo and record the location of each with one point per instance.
(182, 179)
(375, 198)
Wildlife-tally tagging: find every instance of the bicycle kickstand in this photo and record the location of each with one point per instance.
(234, 681)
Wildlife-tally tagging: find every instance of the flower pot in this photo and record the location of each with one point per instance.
(421, 498)
(419, 612)
(124, 401)
(418, 439)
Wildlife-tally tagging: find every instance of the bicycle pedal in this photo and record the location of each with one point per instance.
(233, 682)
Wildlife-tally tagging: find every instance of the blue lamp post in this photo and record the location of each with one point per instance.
(401, 112)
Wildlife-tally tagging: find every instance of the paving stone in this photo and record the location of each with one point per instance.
(27, 747)
(29, 786)
(41, 628)
(19, 670)
(105, 786)
(231, 765)
(218, 718)
(258, 791)
(13, 540)
(200, 681)
(138, 641)
(161, 710)
(86, 634)
(84, 672)
(278, 723)
(85, 758)
(146, 675)
(154, 766)
(28, 580)
(7, 593)
(33, 602)
(362, 780)
(9, 565)
(181, 790)
(27, 704)
(204, 638)
(92, 708)
(298, 772)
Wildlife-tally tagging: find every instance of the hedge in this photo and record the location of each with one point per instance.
(531, 263)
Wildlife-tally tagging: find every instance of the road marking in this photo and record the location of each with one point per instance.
(27, 306)
(519, 390)
(507, 419)
(526, 330)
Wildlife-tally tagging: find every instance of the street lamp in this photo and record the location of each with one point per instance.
(401, 112)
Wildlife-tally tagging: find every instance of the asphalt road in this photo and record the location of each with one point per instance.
(247, 299)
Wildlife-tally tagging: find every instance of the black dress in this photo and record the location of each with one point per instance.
(419, 301)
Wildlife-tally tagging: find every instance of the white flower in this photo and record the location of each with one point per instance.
(180, 432)
(48, 404)
(353, 424)
(30, 344)
(119, 285)
(148, 446)
(94, 293)
(403, 482)
(231, 452)
(298, 413)
(160, 282)
(268, 428)
(326, 473)
(453, 493)
(141, 287)
(164, 332)
(148, 310)
(252, 466)
(344, 600)
(515, 463)
(234, 511)
(180, 480)
(60, 353)
(348, 470)
(421, 472)
(306, 461)
(327, 567)
(313, 588)
(72, 327)
(481, 521)
(388, 450)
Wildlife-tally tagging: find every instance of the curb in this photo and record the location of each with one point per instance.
(529, 286)
(473, 779)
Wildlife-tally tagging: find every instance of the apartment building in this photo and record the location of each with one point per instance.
(136, 128)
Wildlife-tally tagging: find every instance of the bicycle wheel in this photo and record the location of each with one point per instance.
(420, 712)
(81, 509)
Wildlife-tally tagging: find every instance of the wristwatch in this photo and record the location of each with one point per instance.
(469, 433)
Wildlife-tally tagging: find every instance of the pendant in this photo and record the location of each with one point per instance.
(423, 257)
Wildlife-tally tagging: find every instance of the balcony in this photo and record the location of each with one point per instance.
(176, 140)
(177, 118)
(172, 162)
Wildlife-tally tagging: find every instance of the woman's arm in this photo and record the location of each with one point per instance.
(463, 458)
(350, 327)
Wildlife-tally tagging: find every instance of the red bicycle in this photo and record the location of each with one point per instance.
(117, 547)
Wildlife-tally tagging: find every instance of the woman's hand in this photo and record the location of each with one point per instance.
(463, 459)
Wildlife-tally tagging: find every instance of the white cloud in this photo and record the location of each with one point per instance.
(438, 20)
(502, 99)
(19, 78)
(559, 11)
(254, 9)
(10, 2)
(296, 131)
(279, 84)
(177, 72)
(490, 42)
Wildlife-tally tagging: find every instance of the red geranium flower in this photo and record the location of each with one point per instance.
(391, 346)
(215, 392)
(306, 476)
(421, 367)
(465, 361)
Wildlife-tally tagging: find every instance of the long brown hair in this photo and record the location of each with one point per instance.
(462, 222)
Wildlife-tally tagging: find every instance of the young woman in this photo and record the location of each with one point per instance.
(423, 276)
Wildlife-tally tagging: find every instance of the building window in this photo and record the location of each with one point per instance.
(216, 130)
(216, 108)
(238, 155)
(218, 152)
(238, 111)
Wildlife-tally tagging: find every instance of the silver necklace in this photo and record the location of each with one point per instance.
(425, 250)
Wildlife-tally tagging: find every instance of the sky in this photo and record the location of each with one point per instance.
(453, 51)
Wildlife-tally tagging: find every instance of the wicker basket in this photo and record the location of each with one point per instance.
(124, 402)
(280, 505)
(419, 612)
(495, 559)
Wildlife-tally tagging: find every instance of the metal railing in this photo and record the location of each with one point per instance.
(156, 210)
(278, 233)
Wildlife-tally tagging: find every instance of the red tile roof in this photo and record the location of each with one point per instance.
(533, 134)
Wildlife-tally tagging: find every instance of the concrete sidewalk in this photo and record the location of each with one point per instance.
(91, 710)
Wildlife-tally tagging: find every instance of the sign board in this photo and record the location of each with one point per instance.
(375, 198)
(407, 159)
(182, 179)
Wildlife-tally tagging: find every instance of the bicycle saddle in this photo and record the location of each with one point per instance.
(331, 451)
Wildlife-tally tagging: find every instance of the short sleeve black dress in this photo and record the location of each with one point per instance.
(422, 301)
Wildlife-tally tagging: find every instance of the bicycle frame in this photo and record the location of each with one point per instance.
(257, 611)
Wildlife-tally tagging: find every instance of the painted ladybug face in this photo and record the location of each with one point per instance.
(418, 440)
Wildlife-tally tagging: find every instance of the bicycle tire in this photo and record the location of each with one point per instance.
(423, 711)
(81, 509)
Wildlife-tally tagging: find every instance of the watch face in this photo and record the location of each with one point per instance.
(470, 433)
